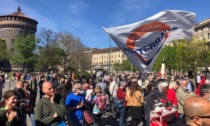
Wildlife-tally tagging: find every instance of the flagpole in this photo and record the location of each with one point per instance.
(131, 67)
(109, 56)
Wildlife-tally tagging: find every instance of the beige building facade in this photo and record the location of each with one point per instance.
(202, 30)
(106, 58)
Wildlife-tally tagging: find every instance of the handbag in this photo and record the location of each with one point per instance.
(87, 117)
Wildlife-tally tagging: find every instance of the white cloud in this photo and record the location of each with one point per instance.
(76, 7)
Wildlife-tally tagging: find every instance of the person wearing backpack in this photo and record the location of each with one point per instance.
(99, 101)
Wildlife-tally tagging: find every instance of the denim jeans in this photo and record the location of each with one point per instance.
(181, 115)
(32, 119)
(122, 116)
(113, 111)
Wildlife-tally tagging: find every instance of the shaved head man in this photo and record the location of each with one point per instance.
(48, 111)
(197, 111)
(48, 89)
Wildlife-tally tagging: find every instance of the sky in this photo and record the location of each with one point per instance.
(85, 19)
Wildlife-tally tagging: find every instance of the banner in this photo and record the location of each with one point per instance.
(142, 41)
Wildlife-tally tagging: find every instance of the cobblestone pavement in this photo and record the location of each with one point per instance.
(107, 120)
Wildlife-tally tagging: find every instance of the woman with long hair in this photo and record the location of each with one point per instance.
(135, 99)
(9, 115)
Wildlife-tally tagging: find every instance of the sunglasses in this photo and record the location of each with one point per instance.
(208, 117)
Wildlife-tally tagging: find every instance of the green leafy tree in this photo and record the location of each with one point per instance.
(48, 41)
(128, 66)
(117, 67)
(3, 49)
(188, 55)
(57, 59)
(170, 57)
(3, 54)
(24, 50)
(157, 63)
(182, 56)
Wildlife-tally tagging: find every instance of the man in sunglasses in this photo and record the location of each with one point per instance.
(197, 111)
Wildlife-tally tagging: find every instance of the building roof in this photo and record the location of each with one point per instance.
(18, 13)
(204, 22)
(105, 50)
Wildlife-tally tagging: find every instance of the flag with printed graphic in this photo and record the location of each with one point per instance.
(142, 41)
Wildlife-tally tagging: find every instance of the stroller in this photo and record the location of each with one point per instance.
(89, 110)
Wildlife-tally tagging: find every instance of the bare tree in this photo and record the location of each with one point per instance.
(74, 50)
(48, 50)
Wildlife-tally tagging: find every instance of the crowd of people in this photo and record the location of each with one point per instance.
(65, 99)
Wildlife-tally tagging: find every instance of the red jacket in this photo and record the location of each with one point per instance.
(171, 95)
(197, 91)
(121, 95)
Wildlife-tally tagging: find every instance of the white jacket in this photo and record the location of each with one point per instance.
(113, 88)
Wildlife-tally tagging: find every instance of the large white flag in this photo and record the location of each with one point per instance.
(142, 41)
